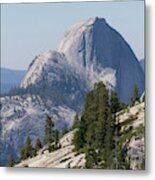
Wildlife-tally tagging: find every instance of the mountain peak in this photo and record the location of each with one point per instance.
(95, 20)
(92, 51)
(47, 61)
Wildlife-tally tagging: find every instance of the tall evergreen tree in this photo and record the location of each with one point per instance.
(134, 95)
(76, 121)
(109, 140)
(91, 158)
(56, 138)
(38, 145)
(27, 150)
(79, 137)
(11, 161)
(114, 102)
(90, 115)
(103, 106)
(49, 132)
(64, 131)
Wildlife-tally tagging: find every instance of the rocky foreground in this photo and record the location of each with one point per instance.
(131, 121)
(64, 157)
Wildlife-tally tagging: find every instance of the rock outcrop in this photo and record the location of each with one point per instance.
(64, 157)
(132, 130)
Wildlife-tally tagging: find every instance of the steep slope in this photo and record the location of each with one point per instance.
(132, 139)
(23, 116)
(61, 158)
(132, 126)
(10, 78)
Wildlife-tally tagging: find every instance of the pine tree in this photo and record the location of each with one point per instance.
(28, 147)
(27, 150)
(91, 158)
(103, 106)
(11, 161)
(22, 154)
(79, 137)
(76, 121)
(38, 145)
(90, 115)
(114, 102)
(134, 95)
(56, 138)
(109, 140)
(65, 131)
(49, 132)
(110, 143)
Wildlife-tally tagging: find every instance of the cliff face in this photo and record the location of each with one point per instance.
(100, 53)
(89, 52)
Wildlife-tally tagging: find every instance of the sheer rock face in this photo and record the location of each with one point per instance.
(98, 52)
(90, 51)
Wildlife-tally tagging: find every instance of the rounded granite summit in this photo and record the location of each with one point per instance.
(92, 51)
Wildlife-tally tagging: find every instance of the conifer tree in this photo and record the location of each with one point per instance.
(49, 132)
(91, 158)
(109, 139)
(38, 145)
(56, 138)
(90, 115)
(11, 161)
(79, 137)
(114, 102)
(76, 121)
(134, 95)
(65, 131)
(28, 147)
(103, 106)
(27, 150)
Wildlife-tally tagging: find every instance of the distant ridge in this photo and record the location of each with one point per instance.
(10, 78)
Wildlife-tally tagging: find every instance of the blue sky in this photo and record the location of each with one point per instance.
(30, 29)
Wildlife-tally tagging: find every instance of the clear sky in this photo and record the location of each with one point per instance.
(30, 29)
